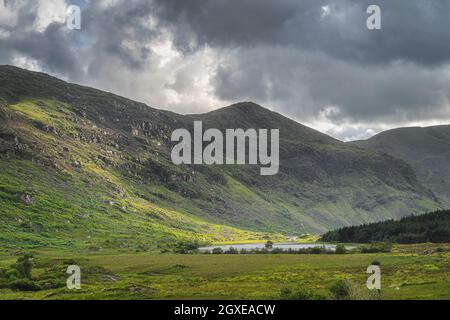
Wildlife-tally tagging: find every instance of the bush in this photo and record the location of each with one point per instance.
(232, 250)
(340, 290)
(24, 285)
(377, 248)
(24, 266)
(217, 250)
(347, 290)
(18, 276)
(277, 251)
(316, 250)
(299, 294)
(9, 274)
(340, 249)
(52, 283)
(185, 247)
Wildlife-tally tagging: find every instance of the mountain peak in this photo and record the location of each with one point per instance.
(246, 105)
(247, 115)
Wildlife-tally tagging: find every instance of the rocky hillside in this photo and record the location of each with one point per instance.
(89, 168)
(427, 150)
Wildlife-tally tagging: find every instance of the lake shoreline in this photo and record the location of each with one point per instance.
(285, 246)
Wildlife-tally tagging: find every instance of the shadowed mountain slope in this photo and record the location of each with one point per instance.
(427, 150)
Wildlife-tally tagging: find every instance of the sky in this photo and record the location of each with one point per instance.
(312, 60)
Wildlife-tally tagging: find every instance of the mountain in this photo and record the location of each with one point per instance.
(427, 150)
(430, 227)
(83, 167)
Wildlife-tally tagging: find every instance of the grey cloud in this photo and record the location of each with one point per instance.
(413, 30)
(309, 85)
(52, 47)
(290, 55)
(111, 26)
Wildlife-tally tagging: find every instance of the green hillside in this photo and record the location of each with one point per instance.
(427, 150)
(82, 167)
(432, 227)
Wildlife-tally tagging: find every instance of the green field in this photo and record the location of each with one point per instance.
(409, 272)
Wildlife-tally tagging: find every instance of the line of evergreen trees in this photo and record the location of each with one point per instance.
(430, 227)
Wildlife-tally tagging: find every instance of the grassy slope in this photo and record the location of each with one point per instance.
(77, 200)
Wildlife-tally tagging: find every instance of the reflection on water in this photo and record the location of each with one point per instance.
(282, 246)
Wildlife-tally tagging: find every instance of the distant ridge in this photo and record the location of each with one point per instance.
(426, 149)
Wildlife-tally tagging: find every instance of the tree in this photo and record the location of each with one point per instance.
(269, 244)
(340, 249)
(340, 290)
(24, 266)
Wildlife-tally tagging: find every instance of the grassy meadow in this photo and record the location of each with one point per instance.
(408, 272)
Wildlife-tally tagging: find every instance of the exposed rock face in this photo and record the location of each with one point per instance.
(27, 199)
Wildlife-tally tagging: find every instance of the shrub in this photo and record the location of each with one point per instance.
(299, 294)
(340, 290)
(24, 266)
(9, 273)
(317, 250)
(377, 248)
(347, 290)
(24, 285)
(185, 247)
(217, 250)
(269, 244)
(340, 249)
(277, 250)
(232, 250)
(52, 283)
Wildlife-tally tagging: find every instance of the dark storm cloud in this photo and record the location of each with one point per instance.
(311, 58)
(104, 31)
(111, 26)
(305, 85)
(52, 47)
(314, 60)
(415, 30)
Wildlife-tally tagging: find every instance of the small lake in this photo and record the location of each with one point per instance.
(282, 246)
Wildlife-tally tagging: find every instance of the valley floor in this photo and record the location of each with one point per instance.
(409, 272)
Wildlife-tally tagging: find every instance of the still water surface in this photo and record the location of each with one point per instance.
(282, 246)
